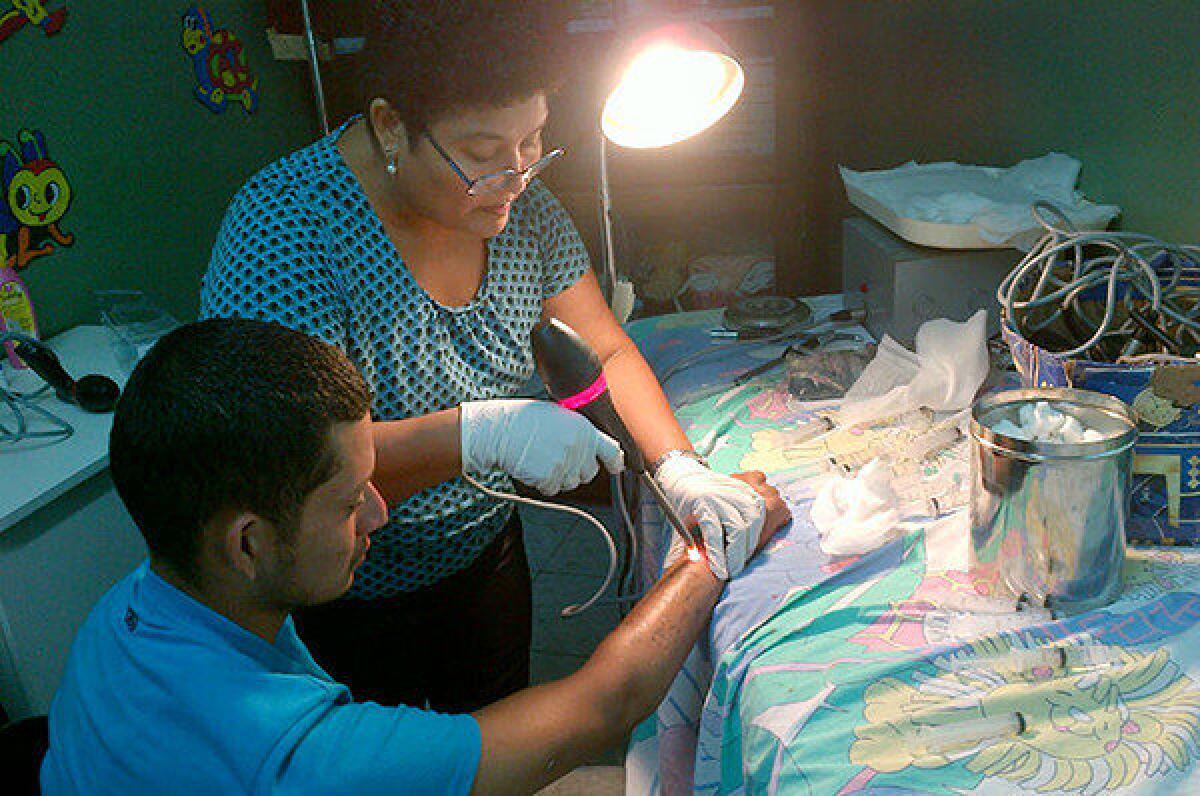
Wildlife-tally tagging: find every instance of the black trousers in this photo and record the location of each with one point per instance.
(457, 645)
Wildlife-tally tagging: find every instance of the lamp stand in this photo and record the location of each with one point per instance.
(314, 63)
(618, 292)
(610, 258)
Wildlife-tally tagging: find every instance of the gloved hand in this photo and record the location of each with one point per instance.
(729, 511)
(536, 442)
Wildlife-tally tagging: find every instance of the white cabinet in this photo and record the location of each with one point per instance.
(65, 538)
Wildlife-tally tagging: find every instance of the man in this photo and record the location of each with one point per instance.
(244, 452)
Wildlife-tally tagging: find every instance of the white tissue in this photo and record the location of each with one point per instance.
(1041, 422)
(947, 370)
(893, 366)
(856, 515)
(996, 201)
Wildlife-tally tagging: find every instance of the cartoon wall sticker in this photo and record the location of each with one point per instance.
(32, 12)
(219, 61)
(36, 194)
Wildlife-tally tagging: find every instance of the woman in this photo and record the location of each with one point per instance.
(416, 239)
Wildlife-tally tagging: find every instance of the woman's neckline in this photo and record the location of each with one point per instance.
(380, 227)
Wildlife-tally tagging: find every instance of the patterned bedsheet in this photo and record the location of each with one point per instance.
(828, 676)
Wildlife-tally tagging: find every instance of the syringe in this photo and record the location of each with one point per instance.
(958, 625)
(925, 445)
(915, 420)
(793, 437)
(806, 431)
(915, 426)
(918, 449)
(959, 615)
(992, 604)
(917, 499)
(958, 733)
(1062, 658)
(853, 461)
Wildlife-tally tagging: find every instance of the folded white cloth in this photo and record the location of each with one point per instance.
(997, 202)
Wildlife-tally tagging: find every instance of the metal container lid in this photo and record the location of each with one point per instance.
(1108, 415)
(767, 314)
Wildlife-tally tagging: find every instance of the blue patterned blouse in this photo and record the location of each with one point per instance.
(300, 245)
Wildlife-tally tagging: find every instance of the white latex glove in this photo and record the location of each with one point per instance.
(536, 442)
(730, 513)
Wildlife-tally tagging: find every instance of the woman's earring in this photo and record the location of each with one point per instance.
(392, 155)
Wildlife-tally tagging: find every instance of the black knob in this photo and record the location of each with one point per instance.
(96, 393)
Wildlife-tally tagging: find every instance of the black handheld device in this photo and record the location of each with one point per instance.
(93, 393)
(574, 377)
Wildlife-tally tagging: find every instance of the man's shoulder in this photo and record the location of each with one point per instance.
(161, 675)
(113, 607)
(115, 621)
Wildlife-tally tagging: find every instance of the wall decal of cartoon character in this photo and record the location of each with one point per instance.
(31, 12)
(222, 74)
(36, 196)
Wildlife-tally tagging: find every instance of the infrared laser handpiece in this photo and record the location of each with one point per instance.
(574, 377)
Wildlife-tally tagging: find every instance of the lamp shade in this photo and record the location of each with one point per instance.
(680, 80)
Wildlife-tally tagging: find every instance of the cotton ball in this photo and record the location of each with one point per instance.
(1072, 430)
(1047, 420)
(860, 535)
(1041, 422)
(828, 506)
(874, 484)
(856, 515)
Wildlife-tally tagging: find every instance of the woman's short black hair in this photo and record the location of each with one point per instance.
(228, 413)
(430, 58)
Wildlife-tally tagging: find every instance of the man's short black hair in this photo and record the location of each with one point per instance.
(430, 58)
(228, 414)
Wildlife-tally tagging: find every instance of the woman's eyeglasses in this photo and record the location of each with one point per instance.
(498, 181)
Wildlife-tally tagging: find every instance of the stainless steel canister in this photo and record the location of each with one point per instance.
(1048, 518)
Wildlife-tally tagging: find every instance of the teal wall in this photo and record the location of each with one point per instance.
(1115, 83)
(151, 169)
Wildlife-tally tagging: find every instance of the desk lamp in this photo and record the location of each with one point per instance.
(680, 79)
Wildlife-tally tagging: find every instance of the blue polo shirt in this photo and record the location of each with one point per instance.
(164, 695)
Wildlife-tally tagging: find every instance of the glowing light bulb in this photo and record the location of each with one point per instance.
(669, 93)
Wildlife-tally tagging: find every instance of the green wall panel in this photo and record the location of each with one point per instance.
(1114, 83)
(151, 169)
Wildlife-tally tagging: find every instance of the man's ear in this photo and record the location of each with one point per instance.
(241, 541)
(389, 130)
